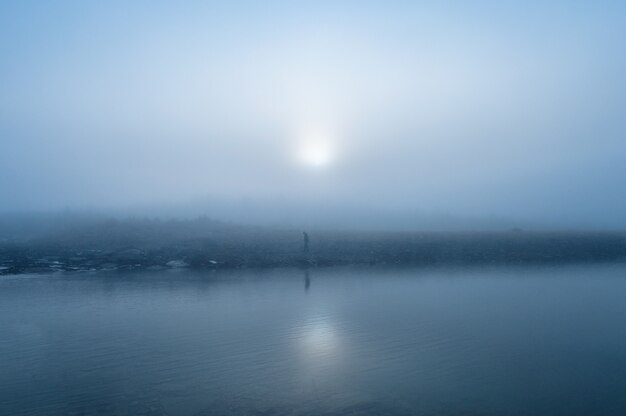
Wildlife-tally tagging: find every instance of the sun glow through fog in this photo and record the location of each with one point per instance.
(316, 150)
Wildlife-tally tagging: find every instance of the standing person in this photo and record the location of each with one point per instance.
(306, 241)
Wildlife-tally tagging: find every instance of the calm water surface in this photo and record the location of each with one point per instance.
(481, 341)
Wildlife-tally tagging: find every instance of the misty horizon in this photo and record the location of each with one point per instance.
(324, 114)
(294, 215)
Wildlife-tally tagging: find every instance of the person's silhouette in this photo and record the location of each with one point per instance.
(306, 241)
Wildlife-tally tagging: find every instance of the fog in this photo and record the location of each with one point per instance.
(334, 114)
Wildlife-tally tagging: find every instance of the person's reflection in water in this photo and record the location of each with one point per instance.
(307, 281)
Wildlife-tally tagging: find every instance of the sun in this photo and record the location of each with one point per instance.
(316, 151)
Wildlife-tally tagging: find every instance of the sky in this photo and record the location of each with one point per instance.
(285, 109)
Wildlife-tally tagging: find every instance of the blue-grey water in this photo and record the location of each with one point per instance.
(371, 341)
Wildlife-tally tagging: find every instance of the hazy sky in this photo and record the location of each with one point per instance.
(474, 108)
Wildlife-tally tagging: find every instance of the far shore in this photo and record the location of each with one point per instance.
(206, 244)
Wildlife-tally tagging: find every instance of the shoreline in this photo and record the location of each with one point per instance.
(279, 249)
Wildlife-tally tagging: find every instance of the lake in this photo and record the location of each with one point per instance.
(355, 341)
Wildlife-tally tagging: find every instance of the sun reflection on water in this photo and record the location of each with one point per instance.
(320, 338)
(319, 342)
